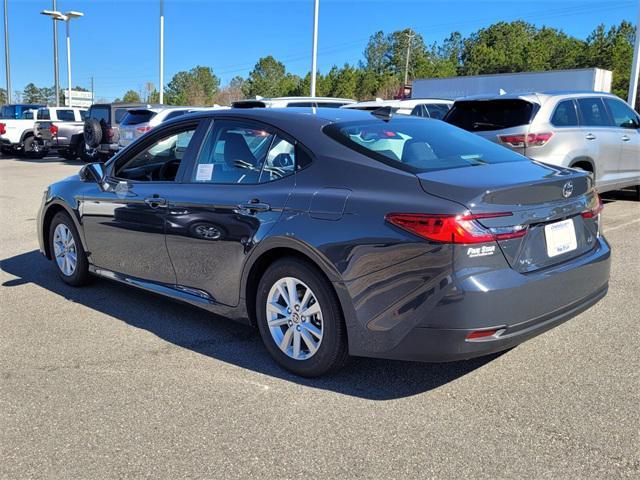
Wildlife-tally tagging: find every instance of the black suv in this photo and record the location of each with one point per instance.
(101, 132)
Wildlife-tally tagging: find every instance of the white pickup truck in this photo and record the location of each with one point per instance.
(18, 122)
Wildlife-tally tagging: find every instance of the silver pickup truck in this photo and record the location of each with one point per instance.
(64, 135)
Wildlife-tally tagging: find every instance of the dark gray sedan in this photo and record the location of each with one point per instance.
(338, 232)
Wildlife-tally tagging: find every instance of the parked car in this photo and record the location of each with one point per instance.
(101, 131)
(20, 136)
(596, 132)
(281, 102)
(64, 134)
(419, 107)
(16, 126)
(338, 232)
(139, 121)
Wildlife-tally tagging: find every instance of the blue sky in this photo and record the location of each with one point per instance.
(117, 41)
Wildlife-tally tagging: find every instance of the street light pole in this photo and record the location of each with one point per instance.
(635, 66)
(6, 51)
(56, 67)
(65, 17)
(314, 48)
(161, 86)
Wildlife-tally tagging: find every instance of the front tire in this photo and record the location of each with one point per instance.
(300, 320)
(67, 252)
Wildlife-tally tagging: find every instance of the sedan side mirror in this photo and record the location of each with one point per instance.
(93, 172)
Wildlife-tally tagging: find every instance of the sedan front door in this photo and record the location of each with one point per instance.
(124, 224)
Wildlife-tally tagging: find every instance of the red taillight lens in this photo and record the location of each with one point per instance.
(143, 129)
(454, 228)
(54, 130)
(3, 129)
(595, 211)
(530, 140)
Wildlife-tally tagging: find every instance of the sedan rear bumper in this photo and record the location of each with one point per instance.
(433, 322)
(446, 345)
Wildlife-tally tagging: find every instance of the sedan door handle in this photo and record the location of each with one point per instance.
(155, 202)
(255, 206)
(590, 136)
(626, 138)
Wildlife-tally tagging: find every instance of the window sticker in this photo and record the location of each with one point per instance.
(204, 172)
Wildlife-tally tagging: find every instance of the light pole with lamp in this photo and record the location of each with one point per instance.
(65, 17)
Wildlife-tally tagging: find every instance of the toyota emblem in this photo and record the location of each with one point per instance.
(567, 189)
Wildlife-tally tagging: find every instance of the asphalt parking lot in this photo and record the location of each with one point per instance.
(107, 381)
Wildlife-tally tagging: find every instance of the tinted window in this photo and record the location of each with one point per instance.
(329, 104)
(246, 152)
(593, 113)
(437, 110)
(120, 114)
(300, 104)
(623, 115)
(419, 145)
(135, 117)
(477, 116)
(419, 111)
(66, 115)
(565, 114)
(16, 111)
(160, 161)
(233, 152)
(83, 114)
(44, 114)
(100, 113)
(174, 114)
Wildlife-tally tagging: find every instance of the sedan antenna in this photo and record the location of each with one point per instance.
(383, 113)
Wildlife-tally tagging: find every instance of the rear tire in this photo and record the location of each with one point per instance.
(308, 345)
(33, 148)
(66, 249)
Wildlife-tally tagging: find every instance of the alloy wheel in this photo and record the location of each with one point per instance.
(64, 247)
(294, 318)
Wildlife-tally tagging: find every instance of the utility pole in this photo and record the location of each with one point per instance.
(314, 47)
(635, 66)
(161, 83)
(6, 51)
(410, 36)
(56, 68)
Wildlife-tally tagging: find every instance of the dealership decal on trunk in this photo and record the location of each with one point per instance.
(481, 251)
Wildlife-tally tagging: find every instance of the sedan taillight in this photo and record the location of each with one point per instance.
(529, 140)
(596, 209)
(455, 228)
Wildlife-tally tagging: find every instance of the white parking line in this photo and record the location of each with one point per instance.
(607, 230)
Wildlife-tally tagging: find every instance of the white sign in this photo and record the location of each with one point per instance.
(78, 98)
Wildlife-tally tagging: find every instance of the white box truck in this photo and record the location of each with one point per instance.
(591, 79)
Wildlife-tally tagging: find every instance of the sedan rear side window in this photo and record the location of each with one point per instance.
(245, 152)
(418, 145)
(565, 115)
(486, 115)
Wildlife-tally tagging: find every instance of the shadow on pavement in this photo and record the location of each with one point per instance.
(231, 342)
(628, 194)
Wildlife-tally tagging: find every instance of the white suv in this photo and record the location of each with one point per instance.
(594, 131)
(418, 107)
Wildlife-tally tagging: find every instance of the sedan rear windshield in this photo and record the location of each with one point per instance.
(419, 145)
(136, 117)
(483, 115)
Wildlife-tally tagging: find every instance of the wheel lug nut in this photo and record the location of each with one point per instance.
(297, 308)
(288, 310)
(290, 323)
(304, 319)
(298, 328)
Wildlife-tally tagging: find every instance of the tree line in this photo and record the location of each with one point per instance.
(500, 48)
